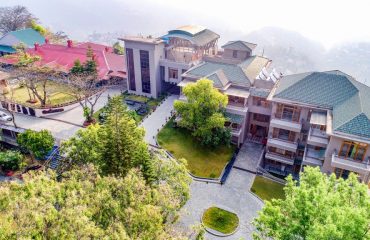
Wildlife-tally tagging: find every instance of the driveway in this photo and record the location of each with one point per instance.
(234, 196)
(153, 123)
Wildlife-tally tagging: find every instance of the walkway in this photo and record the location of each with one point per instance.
(153, 123)
(249, 156)
(234, 195)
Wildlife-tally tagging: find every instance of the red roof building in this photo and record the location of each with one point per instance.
(62, 58)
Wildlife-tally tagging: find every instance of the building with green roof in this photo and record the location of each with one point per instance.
(320, 119)
(26, 36)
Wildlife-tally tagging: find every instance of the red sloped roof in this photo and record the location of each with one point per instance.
(63, 58)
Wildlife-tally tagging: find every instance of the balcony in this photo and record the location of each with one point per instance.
(317, 137)
(313, 157)
(350, 164)
(239, 107)
(286, 124)
(282, 144)
(280, 158)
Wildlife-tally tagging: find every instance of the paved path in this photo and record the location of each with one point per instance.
(158, 118)
(234, 195)
(248, 156)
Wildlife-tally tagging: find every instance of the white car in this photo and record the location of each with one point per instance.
(5, 117)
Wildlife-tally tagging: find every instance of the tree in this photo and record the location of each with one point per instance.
(118, 49)
(11, 160)
(319, 207)
(58, 37)
(202, 112)
(37, 143)
(85, 85)
(83, 205)
(15, 18)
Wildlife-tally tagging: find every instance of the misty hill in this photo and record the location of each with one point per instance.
(291, 52)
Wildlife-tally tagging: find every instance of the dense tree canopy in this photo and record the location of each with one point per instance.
(118, 49)
(202, 112)
(319, 207)
(37, 143)
(83, 205)
(115, 147)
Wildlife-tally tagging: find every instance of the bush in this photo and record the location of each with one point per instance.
(11, 160)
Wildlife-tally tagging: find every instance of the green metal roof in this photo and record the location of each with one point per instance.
(7, 49)
(239, 45)
(241, 74)
(235, 118)
(28, 36)
(335, 90)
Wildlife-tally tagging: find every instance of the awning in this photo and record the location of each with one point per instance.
(237, 92)
(318, 118)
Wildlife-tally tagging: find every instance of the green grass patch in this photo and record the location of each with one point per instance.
(220, 220)
(136, 98)
(202, 161)
(267, 189)
(58, 94)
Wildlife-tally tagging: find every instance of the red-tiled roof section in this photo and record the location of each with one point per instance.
(63, 58)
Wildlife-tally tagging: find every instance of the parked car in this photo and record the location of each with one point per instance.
(5, 117)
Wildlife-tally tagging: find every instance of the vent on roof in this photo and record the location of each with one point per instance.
(263, 75)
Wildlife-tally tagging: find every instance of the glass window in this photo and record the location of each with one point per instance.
(353, 150)
(235, 53)
(173, 73)
(145, 71)
(130, 69)
(162, 73)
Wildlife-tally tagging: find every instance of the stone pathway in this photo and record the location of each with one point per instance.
(248, 156)
(159, 117)
(234, 195)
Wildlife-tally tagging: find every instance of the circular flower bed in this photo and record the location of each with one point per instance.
(220, 220)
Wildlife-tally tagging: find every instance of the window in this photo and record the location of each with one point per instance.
(145, 71)
(162, 73)
(261, 102)
(284, 134)
(235, 53)
(353, 150)
(173, 73)
(341, 173)
(261, 117)
(130, 69)
(238, 101)
(290, 113)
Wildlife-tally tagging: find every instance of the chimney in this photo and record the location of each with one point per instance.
(106, 49)
(69, 43)
(36, 46)
(93, 57)
(46, 41)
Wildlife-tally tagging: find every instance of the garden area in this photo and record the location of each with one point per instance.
(203, 161)
(220, 220)
(139, 106)
(57, 93)
(267, 189)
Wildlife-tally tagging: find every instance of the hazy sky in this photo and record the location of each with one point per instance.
(327, 21)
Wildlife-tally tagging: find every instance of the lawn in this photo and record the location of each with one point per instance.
(220, 220)
(267, 189)
(58, 94)
(202, 161)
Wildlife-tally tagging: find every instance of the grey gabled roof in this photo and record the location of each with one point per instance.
(240, 45)
(335, 90)
(199, 39)
(242, 74)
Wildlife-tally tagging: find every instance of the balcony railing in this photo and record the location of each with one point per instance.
(287, 117)
(279, 157)
(317, 137)
(350, 164)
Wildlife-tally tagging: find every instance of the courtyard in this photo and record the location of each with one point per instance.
(202, 161)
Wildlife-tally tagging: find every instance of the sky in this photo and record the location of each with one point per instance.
(326, 21)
